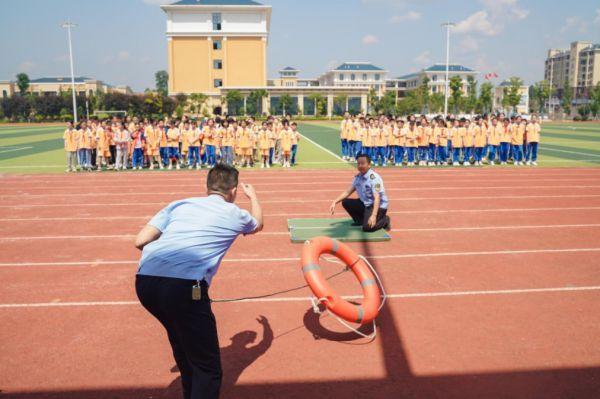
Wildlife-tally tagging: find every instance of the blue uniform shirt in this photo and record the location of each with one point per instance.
(196, 234)
(367, 186)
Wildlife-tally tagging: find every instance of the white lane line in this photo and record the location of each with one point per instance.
(310, 191)
(432, 211)
(15, 149)
(324, 149)
(302, 201)
(296, 259)
(307, 299)
(285, 233)
(549, 148)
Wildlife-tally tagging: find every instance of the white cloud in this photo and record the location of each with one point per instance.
(423, 59)
(477, 23)
(491, 20)
(575, 24)
(26, 66)
(123, 55)
(506, 8)
(409, 16)
(468, 44)
(370, 39)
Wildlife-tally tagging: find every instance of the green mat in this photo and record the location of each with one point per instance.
(340, 229)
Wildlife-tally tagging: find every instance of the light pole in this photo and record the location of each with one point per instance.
(68, 26)
(550, 88)
(447, 25)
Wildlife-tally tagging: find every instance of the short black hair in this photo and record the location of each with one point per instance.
(222, 178)
(362, 155)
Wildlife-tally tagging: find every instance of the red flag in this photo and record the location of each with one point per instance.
(491, 75)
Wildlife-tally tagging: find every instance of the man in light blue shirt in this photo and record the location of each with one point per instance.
(182, 247)
(369, 210)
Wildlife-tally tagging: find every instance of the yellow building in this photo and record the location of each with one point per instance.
(216, 43)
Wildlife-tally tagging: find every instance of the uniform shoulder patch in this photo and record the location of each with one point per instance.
(372, 177)
(377, 187)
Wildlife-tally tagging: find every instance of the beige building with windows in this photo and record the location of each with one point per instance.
(579, 66)
(216, 43)
(522, 107)
(437, 79)
(53, 86)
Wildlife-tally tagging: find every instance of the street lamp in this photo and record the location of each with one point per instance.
(68, 26)
(447, 25)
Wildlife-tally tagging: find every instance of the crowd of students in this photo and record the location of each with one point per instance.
(119, 144)
(441, 141)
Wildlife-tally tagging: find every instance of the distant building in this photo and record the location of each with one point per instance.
(356, 74)
(579, 66)
(522, 108)
(437, 79)
(53, 86)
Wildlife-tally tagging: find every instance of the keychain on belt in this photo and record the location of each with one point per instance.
(196, 291)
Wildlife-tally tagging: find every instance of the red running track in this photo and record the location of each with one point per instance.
(492, 275)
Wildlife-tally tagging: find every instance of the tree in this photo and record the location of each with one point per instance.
(162, 82)
(567, 98)
(196, 101)
(286, 102)
(424, 98)
(22, 83)
(512, 93)
(233, 99)
(471, 101)
(373, 101)
(436, 102)
(320, 103)
(255, 100)
(486, 97)
(595, 100)
(387, 103)
(341, 101)
(456, 93)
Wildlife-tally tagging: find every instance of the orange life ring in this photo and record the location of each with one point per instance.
(362, 314)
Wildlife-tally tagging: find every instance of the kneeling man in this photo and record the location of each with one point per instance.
(370, 208)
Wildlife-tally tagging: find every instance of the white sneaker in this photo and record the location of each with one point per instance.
(161, 166)
(534, 163)
(455, 164)
(262, 165)
(190, 167)
(170, 167)
(178, 167)
(491, 163)
(268, 166)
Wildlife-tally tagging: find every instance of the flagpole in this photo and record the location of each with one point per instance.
(447, 25)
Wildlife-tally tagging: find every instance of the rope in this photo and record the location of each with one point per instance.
(316, 302)
(344, 270)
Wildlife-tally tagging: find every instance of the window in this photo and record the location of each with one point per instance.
(4, 94)
(353, 77)
(218, 83)
(217, 45)
(364, 76)
(216, 20)
(434, 78)
(434, 89)
(218, 64)
(341, 76)
(82, 93)
(377, 76)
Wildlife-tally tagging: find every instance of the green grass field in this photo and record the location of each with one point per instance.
(39, 149)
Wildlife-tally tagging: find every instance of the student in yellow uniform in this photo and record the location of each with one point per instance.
(505, 140)
(518, 135)
(412, 138)
(272, 142)
(102, 146)
(344, 128)
(379, 141)
(70, 138)
(480, 140)
(192, 137)
(184, 140)
(264, 145)
(227, 143)
(84, 146)
(152, 144)
(423, 141)
(458, 132)
(533, 141)
(295, 140)
(442, 142)
(360, 135)
(399, 133)
(433, 137)
(286, 143)
(208, 143)
(368, 137)
(468, 137)
(173, 135)
(245, 143)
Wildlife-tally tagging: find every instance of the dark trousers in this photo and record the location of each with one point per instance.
(191, 328)
(361, 214)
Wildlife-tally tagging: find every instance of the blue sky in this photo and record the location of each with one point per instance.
(123, 41)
